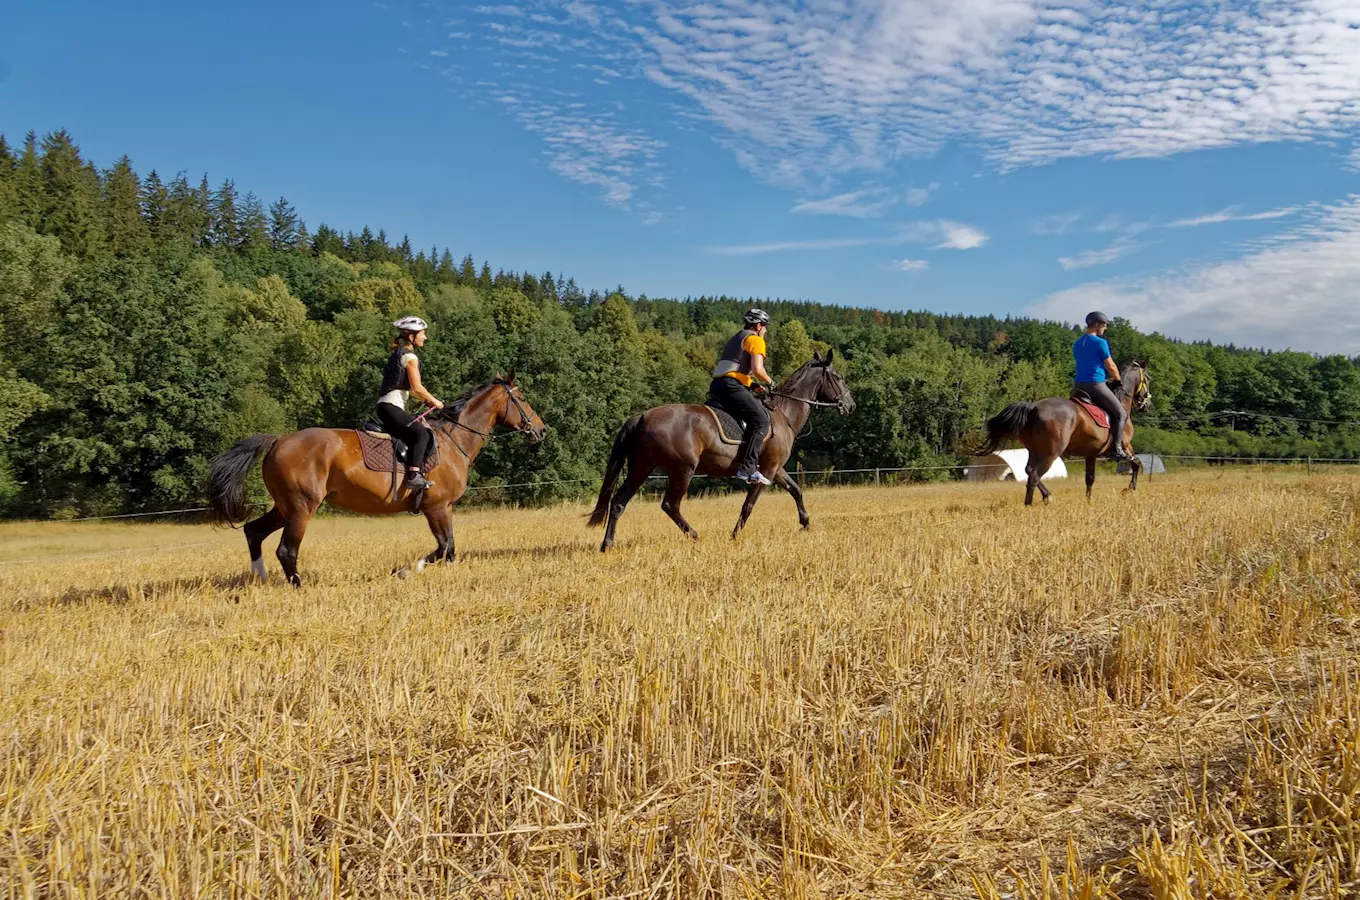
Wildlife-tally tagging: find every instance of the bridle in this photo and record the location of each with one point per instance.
(838, 404)
(526, 421)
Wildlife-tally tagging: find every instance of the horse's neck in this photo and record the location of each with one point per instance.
(795, 412)
(475, 422)
(1128, 393)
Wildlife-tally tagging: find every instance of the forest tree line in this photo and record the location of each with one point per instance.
(148, 323)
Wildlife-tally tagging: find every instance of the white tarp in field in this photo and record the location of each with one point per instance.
(1008, 465)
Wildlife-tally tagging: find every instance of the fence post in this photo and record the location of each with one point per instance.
(1310, 465)
(876, 481)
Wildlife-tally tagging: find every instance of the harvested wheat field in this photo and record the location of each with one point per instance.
(934, 693)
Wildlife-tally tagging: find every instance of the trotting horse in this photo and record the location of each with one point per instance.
(1060, 427)
(683, 441)
(307, 467)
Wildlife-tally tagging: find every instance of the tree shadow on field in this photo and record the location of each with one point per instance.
(122, 594)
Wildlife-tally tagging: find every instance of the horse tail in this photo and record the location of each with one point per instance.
(1006, 425)
(623, 442)
(226, 481)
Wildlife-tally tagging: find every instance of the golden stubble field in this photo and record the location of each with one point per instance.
(934, 693)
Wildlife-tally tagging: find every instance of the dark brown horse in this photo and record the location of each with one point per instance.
(305, 468)
(1059, 427)
(682, 440)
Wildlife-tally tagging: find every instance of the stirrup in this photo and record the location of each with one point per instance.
(416, 481)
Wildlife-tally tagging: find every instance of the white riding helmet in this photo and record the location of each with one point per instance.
(410, 323)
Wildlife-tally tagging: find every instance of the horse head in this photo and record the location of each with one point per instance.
(1138, 383)
(516, 413)
(831, 387)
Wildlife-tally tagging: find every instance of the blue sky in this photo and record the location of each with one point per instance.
(1192, 167)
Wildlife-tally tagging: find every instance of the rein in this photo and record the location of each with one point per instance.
(526, 422)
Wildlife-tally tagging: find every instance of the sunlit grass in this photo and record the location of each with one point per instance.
(935, 692)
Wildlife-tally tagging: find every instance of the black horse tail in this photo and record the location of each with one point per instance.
(623, 442)
(1006, 425)
(226, 481)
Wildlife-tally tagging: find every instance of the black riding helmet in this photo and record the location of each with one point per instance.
(1097, 318)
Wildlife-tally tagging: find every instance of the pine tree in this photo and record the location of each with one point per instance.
(126, 230)
(8, 165)
(254, 224)
(446, 271)
(155, 206)
(187, 215)
(379, 250)
(303, 239)
(365, 249)
(226, 218)
(28, 184)
(283, 225)
(404, 249)
(71, 194)
(327, 240)
(467, 274)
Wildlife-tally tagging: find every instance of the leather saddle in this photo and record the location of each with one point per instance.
(1083, 399)
(730, 428)
(380, 447)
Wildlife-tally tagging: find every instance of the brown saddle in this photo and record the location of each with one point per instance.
(730, 431)
(1082, 399)
(384, 453)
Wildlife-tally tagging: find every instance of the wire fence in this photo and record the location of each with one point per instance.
(832, 477)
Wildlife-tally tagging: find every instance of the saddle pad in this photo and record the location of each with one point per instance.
(377, 450)
(727, 425)
(1101, 417)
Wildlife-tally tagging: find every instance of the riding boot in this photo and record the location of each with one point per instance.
(415, 480)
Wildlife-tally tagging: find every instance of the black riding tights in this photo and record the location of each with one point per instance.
(416, 437)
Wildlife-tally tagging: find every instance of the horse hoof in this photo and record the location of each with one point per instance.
(402, 573)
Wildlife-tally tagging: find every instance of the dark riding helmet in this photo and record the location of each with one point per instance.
(1097, 318)
(756, 317)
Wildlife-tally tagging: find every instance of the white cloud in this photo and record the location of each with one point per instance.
(821, 88)
(1053, 225)
(782, 246)
(950, 236)
(1230, 215)
(911, 265)
(862, 204)
(439, 53)
(920, 196)
(1297, 290)
(1118, 249)
(959, 237)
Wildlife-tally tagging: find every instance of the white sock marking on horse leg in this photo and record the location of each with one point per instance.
(258, 570)
(420, 565)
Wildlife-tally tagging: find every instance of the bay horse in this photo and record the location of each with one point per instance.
(1058, 427)
(305, 468)
(682, 440)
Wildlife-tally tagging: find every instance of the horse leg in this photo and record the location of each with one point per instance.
(256, 531)
(783, 479)
(1135, 466)
(634, 480)
(441, 526)
(677, 486)
(294, 527)
(1090, 475)
(752, 495)
(1037, 468)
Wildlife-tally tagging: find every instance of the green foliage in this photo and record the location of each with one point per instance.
(146, 326)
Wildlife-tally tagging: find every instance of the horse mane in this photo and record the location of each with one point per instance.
(453, 410)
(793, 382)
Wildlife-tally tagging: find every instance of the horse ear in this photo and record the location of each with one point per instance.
(830, 354)
(816, 356)
(510, 379)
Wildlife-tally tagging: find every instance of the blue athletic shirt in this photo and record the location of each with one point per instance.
(1090, 351)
